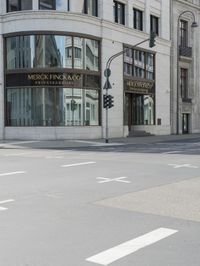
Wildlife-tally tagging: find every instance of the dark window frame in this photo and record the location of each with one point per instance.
(119, 19)
(137, 19)
(154, 24)
(183, 28)
(184, 83)
(86, 8)
(53, 5)
(19, 6)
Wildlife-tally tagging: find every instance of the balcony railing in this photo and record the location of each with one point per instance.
(185, 51)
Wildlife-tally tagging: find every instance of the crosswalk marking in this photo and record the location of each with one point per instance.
(13, 173)
(109, 256)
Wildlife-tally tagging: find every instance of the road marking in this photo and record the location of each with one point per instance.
(5, 201)
(183, 165)
(54, 157)
(118, 179)
(13, 173)
(169, 152)
(19, 154)
(122, 250)
(99, 143)
(77, 164)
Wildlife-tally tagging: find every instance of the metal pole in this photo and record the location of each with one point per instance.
(108, 67)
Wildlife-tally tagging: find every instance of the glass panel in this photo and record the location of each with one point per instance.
(70, 107)
(13, 5)
(26, 4)
(92, 55)
(139, 64)
(46, 4)
(91, 7)
(68, 52)
(79, 60)
(20, 52)
(143, 110)
(91, 107)
(30, 107)
(50, 51)
(61, 5)
(150, 66)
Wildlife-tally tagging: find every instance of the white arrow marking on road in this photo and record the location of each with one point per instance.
(120, 251)
(118, 179)
(5, 201)
(13, 173)
(77, 164)
(183, 165)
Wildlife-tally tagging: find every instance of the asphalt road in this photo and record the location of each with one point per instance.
(122, 204)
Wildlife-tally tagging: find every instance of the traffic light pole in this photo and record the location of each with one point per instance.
(108, 73)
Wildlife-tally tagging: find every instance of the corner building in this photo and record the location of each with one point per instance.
(52, 59)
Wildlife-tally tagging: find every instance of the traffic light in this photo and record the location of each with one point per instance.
(105, 101)
(108, 101)
(152, 39)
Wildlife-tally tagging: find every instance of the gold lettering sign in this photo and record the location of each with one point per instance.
(139, 86)
(66, 79)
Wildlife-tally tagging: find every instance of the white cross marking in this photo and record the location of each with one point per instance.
(5, 201)
(118, 179)
(183, 165)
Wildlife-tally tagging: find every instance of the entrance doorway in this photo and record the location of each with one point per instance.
(139, 109)
(185, 123)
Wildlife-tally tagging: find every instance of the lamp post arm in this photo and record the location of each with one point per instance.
(122, 52)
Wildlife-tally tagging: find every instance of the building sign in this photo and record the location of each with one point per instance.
(67, 80)
(139, 86)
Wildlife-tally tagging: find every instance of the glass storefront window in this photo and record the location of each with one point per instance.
(47, 4)
(52, 107)
(50, 51)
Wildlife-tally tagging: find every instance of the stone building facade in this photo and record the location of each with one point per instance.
(53, 55)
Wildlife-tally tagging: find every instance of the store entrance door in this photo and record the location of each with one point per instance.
(185, 123)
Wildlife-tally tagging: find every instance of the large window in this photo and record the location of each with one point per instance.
(119, 12)
(137, 19)
(140, 64)
(91, 7)
(52, 107)
(62, 90)
(154, 24)
(50, 51)
(17, 5)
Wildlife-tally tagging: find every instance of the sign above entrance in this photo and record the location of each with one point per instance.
(139, 86)
(44, 79)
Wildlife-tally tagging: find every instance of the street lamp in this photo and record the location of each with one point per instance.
(193, 25)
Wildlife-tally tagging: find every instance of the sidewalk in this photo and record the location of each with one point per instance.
(67, 144)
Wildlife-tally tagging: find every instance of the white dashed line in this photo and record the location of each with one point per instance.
(13, 173)
(77, 164)
(109, 256)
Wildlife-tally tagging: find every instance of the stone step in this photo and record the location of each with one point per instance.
(139, 133)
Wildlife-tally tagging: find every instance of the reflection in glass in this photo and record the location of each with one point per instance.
(143, 106)
(79, 44)
(52, 107)
(47, 4)
(91, 7)
(92, 55)
(91, 107)
(139, 64)
(18, 5)
(150, 66)
(48, 51)
(20, 52)
(30, 107)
